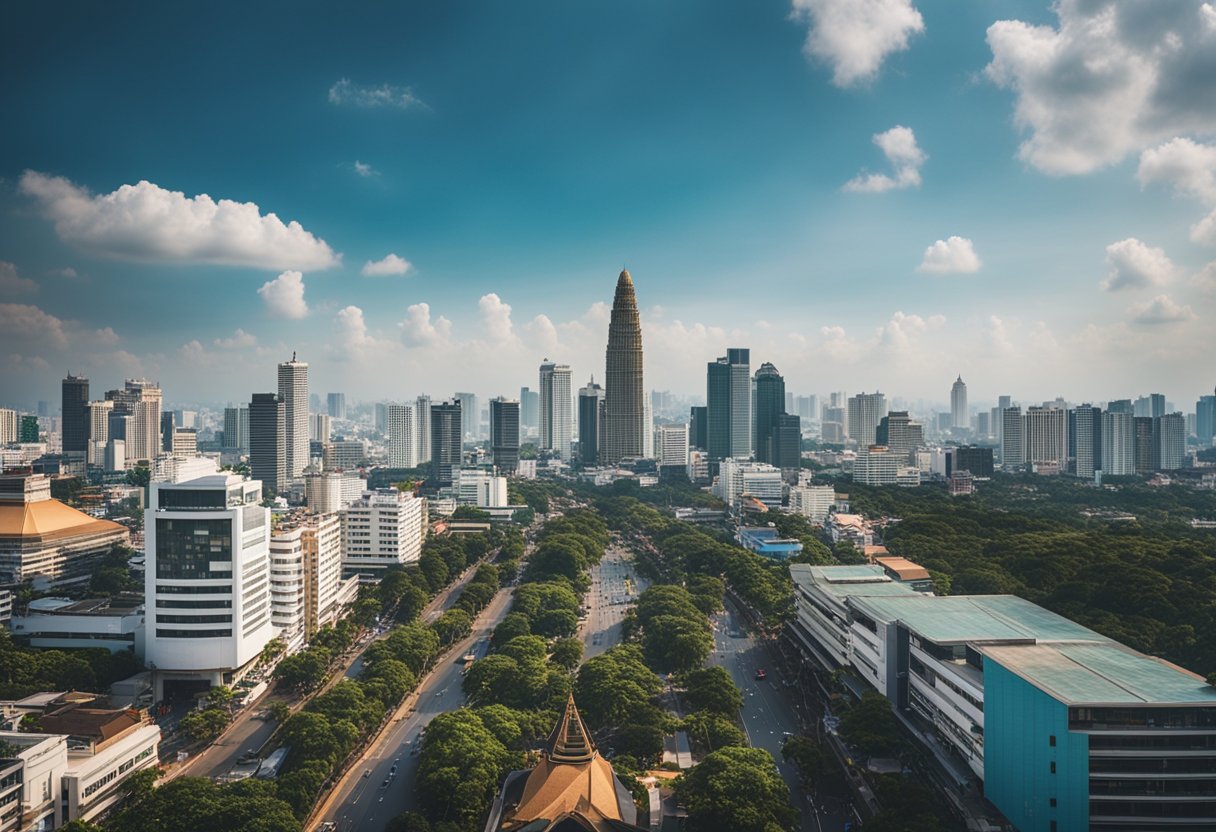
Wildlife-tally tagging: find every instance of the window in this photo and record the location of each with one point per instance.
(1053, 803)
(1053, 766)
(185, 549)
(163, 633)
(194, 619)
(1052, 741)
(1053, 826)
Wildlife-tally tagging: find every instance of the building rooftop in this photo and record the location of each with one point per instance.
(847, 581)
(50, 520)
(967, 618)
(903, 568)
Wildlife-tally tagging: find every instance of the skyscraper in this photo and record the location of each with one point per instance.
(1142, 433)
(1169, 441)
(590, 407)
(1085, 440)
(556, 422)
(293, 391)
(504, 434)
(786, 443)
(958, 404)
(267, 440)
(468, 415)
(1205, 420)
(1046, 439)
(1118, 444)
(898, 432)
(529, 409)
(865, 410)
(728, 403)
(336, 405)
(1013, 438)
(698, 424)
(236, 429)
(422, 428)
(446, 429)
(402, 442)
(624, 397)
(141, 400)
(76, 416)
(770, 403)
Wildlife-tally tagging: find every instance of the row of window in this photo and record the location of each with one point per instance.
(165, 633)
(173, 603)
(194, 619)
(193, 589)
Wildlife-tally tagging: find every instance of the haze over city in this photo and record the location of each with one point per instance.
(418, 197)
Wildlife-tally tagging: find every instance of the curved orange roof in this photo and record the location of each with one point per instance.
(50, 519)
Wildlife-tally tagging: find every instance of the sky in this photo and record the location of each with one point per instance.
(429, 197)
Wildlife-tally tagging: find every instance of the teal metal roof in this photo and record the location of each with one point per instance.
(1101, 673)
(850, 581)
(966, 618)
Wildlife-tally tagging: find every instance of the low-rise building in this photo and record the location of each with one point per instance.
(851, 527)
(740, 477)
(117, 624)
(480, 488)
(812, 501)
(765, 541)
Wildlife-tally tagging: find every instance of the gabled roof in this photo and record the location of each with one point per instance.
(50, 519)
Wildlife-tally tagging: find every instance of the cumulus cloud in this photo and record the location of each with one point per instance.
(1111, 78)
(495, 317)
(899, 146)
(418, 330)
(146, 223)
(351, 336)
(13, 283)
(346, 92)
(1190, 168)
(105, 337)
(854, 37)
(365, 170)
(1205, 279)
(390, 264)
(1161, 310)
(25, 323)
(240, 339)
(284, 296)
(953, 255)
(1134, 265)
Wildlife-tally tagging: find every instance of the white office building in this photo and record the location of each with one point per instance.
(481, 489)
(1013, 438)
(326, 594)
(380, 529)
(319, 427)
(879, 465)
(865, 411)
(1046, 437)
(332, 491)
(207, 580)
(422, 430)
(1118, 444)
(556, 409)
(287, 584)
(740, 477)
(671, 445)
(99, 431)
(402, 440)
(293, 391)
(9, 426)
(812, 501)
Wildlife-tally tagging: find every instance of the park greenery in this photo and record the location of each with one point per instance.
(735, 788)
(28, 670)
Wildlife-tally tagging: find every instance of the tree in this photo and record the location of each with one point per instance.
(460, 766)
(737, 789)
(711, 731)
(811, 758)
(713, 689)
(453, 625)
(221, 697)
(279, 711)
(204, 725)
(408, 822)
(1212, 678)
(305, 670)
(567, 653)
(871, 727)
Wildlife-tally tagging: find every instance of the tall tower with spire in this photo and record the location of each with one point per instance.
(959, 417)
(624, 396)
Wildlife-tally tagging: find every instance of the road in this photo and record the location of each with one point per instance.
(614, 588)
(768, 715)
(248, 732)
(369, 796)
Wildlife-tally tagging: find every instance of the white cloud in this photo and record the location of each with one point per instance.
(953, 255)
(388, 265)
(899, 146)
(239, 340)
(106, 337)
(194, 353)
(1205, 279)
(1191, 168)
(66, 271)
(495, 317)
(146, 223)
(351, 337)
(1204, 231)
(1161, 310)
(365, 170)
(347, 92)
(31, 325)
(854, 37)
(1113, 77)
(284, 296)
(418, 330)
(1134, 265)
(13, 283)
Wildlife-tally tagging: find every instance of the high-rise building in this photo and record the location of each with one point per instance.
(786, 443)
(590, 413)
(1205, 420)
(1169, 442)
(381, 529)
(422, 428)
(625, 426)
(671, 447)
(402, 443)
(728, 403)
(1142, 433)
(1118, 444)
(1046, 439)
(293, 392)
(879, 465)
(140, 399)
(9, 426)
(446, 446)
(1085, 440)
(468, 417)
(504, 434)
(741, 477)
(1121, 406)
(698, 428)
(865, 410)
(1013, 438)
(556, 404)
(267, 441)
(76, 416)
(207, 549)
(959, 416)
(769, 404)
(28, 430)
(166, 432)
(897, 431)
(319, 427)
(236, 429)
(529, 409)
(812, 501)
(99, 431)
(336, 405)
(975, 461)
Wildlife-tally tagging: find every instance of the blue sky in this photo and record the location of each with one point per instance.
(516, 156)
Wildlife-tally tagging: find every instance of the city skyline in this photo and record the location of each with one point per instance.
(915, 200)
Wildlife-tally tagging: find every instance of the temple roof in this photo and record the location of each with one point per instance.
(570, 741)
(50, 519)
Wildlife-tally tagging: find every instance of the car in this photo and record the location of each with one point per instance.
(760, 674)
(384, 785)
(367, 772)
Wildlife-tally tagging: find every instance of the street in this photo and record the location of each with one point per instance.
(608, 600)
(768, 716)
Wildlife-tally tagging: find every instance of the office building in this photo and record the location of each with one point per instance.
(167, 426)
(319, 428)
(625, 402)
(590, 415)
(183, 442)
(769, 404)
(739, 478)
(343, 454)
(671, 447)
(326, 594)
(897, 431)
(422, 428)
(479, 488)
(332, 491)
(1066, 728)
(28, 430)
(1142, 437)
(1118, 444)
(865, 410)
(529, 409)
(728, 398)
(1046, 437)
(268, 441)
(975, 461)
(75, 414)
(382, 528)
(880, 465)
(785, 443)
(504, 434)
(959, 415)
(99, 431)
(207, 581)
(1205, 420)
(293, 392)
(556, 404)
(287, 583)
(9, 426)
(47, 543)
(1169, 442)
(698, 428)
(813, 502)
(141, 400)
(469, 425)
(1013, 438)
(402, 444)
(236, 429)
(336, 405)
(446, 444)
